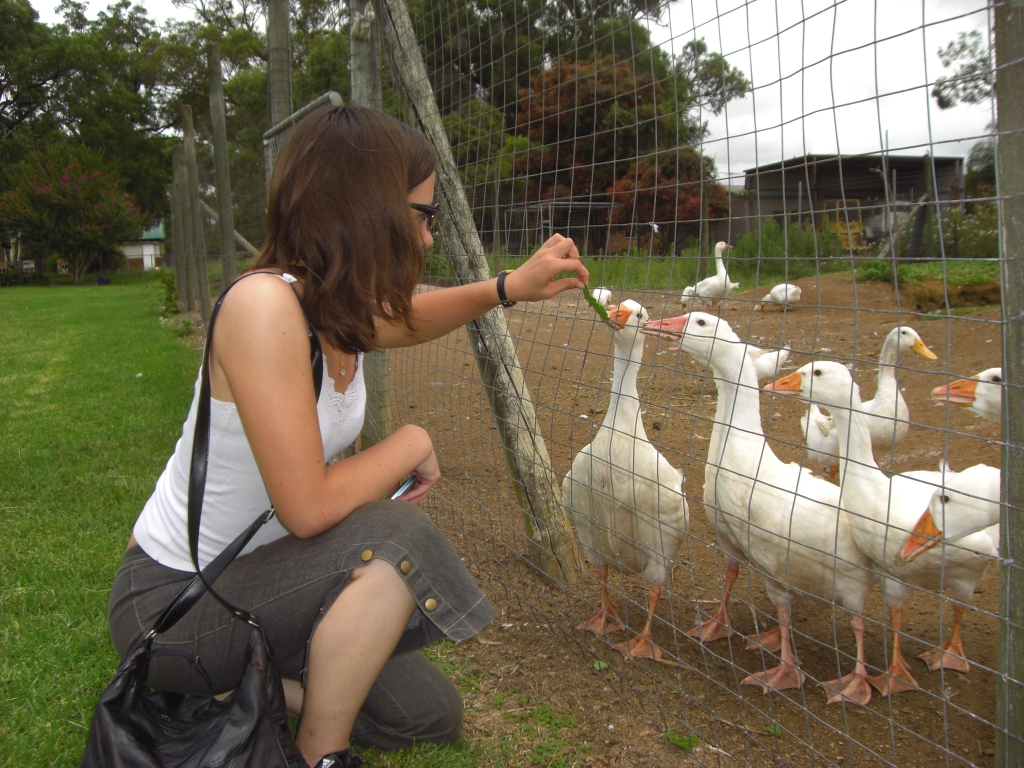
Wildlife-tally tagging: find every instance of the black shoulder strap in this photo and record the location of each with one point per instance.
(197, 485)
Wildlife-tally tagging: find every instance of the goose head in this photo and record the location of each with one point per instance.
(963, 495)
(696, 332)
(823, 382)
(982, 393)
(720, 248)
(906, 339)
(626, 321)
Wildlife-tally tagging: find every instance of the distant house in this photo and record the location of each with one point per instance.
(804, 188)
(147, 252)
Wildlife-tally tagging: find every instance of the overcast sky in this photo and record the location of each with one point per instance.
(828, 76)
(832, 76)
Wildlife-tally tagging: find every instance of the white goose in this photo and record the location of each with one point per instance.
(782, 294)
(819, 430)
(624, 498)
(778, 516)
(982, 394)
(883, 510)
(711, 290)
(888, 415)
(888, 403)
(768, 363)
(965, 504)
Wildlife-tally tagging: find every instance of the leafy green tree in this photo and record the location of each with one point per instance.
(972, 81)
(66, 201)
(604, 130)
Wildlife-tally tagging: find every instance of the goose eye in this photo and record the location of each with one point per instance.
(701, 323)
(817, 371)
(997, 379)
(945, 499)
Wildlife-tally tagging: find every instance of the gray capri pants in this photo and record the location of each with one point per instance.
(288, 584)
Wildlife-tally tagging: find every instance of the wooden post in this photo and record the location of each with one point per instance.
(179, 241)
(364, 76)
(188, 261)
(222, 174)
(198, 238)
(279, 61)
(536, 486)
(1009, 29)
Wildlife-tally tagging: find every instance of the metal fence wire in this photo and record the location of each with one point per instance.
(822, 195)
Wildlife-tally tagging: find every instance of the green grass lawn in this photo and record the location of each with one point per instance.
(83, 439)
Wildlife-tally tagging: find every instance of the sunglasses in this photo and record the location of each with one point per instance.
(429, 213)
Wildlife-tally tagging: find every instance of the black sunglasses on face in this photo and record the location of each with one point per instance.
(429, 213)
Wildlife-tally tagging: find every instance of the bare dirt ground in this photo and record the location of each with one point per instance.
(622, 708)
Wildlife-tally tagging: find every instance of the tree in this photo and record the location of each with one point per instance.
(972, 81)
(65, 201)
(490, 50)
(602, 129)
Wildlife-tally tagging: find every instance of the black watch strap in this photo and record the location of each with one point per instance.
(502, 297)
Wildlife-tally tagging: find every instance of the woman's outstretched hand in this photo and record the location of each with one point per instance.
(535, 280)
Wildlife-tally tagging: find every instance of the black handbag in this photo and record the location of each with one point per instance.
(135, 727)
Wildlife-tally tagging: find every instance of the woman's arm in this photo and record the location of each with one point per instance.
(439, 312)
(260, 360)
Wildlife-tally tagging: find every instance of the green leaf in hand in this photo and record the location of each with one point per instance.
(595, 304)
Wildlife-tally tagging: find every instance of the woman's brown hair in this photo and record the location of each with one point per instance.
(338, 217)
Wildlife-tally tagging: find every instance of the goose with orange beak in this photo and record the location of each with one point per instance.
(623, 496)
(966, 504)
(982, 394)
(883, 510)
(777, 516)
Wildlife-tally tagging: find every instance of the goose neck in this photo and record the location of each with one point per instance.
(855, 456)
(738, 393)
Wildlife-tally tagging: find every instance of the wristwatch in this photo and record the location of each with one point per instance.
(501, 289)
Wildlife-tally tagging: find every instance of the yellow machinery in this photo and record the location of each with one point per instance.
(844, 219)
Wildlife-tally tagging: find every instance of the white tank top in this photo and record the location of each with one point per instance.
(235, 494)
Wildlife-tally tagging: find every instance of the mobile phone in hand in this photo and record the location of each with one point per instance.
(405, 486)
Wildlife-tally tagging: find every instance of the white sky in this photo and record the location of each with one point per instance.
(884, 53)
(884, 56)
(159, 10)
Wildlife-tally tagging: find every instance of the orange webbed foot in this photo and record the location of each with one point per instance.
(770, 641)
(853, 688)
(639, 648)
(711, 630)
(781, 678)
(897, 680)
(603, 624)
(950, 656)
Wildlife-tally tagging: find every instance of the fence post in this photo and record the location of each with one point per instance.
(198, 238)
(178, 242)
(222, 174)
(1009, 29)
(187, 276)
(364, 74)
(279, 61)
(537, 489)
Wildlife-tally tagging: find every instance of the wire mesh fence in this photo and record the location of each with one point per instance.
(808, 575)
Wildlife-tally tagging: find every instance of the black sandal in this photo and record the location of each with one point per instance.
(342, 759)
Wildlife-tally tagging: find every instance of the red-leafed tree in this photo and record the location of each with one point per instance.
(602, 131)
(64, 202)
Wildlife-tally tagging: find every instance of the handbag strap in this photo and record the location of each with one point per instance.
(205, 577)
